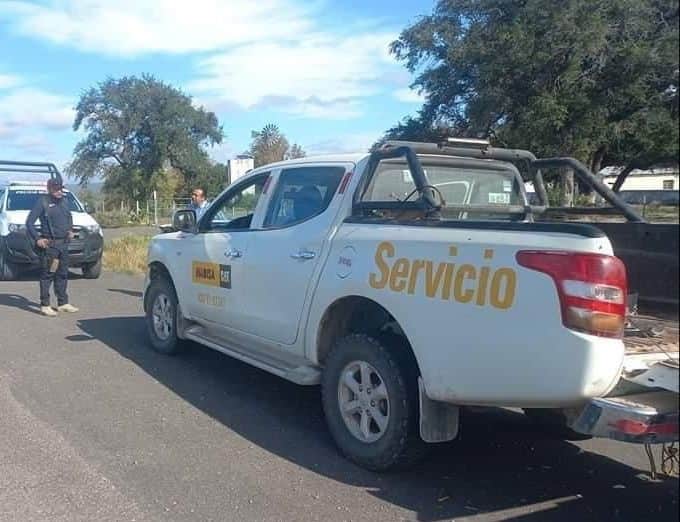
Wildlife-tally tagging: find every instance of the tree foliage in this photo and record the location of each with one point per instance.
(141, 135)
(594, 79)
(270, 145)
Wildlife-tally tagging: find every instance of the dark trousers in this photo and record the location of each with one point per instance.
(55, 254)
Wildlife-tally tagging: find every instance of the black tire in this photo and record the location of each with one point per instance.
(92, 270)
(161, 288)
(554, 422)
(400, 445)
(8, 271)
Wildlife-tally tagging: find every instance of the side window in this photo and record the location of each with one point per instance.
(235, 211)
(302, 193)
(2, 199)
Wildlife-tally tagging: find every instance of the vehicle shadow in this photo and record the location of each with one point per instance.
(500, 465)
(19, 301)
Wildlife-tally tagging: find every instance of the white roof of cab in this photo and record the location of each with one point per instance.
(321, 158)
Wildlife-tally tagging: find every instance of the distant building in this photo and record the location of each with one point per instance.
(238, 167)
(652, 179)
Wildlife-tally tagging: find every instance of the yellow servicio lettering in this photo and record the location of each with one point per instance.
(384, 249)
(463, 283)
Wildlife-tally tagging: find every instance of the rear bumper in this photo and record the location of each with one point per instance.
(643, 418)
(87, 249)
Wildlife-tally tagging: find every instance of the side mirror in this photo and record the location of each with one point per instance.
(89, 209)
(184, 221)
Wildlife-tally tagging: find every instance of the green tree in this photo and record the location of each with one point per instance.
(138, 129)
(270, 145)
(594, 79)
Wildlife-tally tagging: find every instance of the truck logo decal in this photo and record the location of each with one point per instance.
(211, 274)
(463, 283)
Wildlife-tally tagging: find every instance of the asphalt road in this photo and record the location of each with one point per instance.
(96, 426)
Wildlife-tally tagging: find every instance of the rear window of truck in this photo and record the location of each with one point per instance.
(392, 181)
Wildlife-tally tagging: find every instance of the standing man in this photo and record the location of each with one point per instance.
(199, 203)
(52, 240)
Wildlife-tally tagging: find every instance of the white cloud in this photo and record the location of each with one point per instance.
(9, 80)
(30, 119)
(355, 142)
(407, 95)
(269, 54)
(30, 107)
(134, 27)
(318, 76)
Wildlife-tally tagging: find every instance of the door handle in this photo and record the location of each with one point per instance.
(233, 253)
(303, 255)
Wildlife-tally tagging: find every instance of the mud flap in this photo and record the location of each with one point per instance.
(438, 420)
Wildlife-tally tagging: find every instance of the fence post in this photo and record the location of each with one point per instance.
(148, 214)
(155, 208)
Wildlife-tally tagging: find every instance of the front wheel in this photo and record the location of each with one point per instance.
(92, 270)
(8, 271)
(161, 317)
(371, 405)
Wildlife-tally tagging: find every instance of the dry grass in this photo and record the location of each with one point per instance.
(127, 254)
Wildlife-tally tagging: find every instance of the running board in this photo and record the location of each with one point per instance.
(304, 375)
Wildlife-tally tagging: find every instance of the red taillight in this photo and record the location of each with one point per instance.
(637, 428)
(592, 288)
(345, 181)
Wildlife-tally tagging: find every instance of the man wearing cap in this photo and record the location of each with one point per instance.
(52, 241)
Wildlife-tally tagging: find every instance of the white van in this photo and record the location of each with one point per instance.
(17, 253)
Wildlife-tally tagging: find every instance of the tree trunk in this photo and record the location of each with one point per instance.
(596, 163)
(567, 188)
(595, 167)
(622, 176)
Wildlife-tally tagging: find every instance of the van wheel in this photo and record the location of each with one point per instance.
(371, 405)
(92, 270)
(161, 318)
(8, 271)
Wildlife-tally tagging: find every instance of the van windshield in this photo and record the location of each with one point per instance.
(25, 199)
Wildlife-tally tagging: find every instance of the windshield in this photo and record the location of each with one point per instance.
(25, 199)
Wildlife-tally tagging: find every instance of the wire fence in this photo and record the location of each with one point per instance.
(151, 212)
(144, 212)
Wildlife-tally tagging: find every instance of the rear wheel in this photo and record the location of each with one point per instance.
(371, 405)
(161, 317)
(92, 270)
(8, 271)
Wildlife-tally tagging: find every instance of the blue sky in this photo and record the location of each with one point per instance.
(320, 69)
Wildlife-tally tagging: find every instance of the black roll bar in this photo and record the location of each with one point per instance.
(598, 186)
(534, 165)
(31, 167)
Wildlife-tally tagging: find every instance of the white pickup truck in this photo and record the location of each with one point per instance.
(409, 282)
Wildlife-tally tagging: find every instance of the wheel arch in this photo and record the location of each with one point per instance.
(358, 314)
